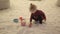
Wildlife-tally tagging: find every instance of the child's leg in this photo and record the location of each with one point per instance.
(40, 19)
(35, 20)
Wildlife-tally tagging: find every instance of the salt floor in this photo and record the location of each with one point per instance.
(21, 8)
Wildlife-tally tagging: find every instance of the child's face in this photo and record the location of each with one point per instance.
(33, 11)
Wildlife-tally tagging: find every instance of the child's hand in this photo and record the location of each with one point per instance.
(43, 21)
(30, 25)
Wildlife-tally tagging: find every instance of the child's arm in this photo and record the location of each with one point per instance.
(44, 17)
(31, 20)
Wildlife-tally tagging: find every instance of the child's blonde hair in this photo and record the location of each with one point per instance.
(32, 7)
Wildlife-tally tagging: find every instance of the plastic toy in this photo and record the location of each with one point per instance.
(15, 20)
(23, 22)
